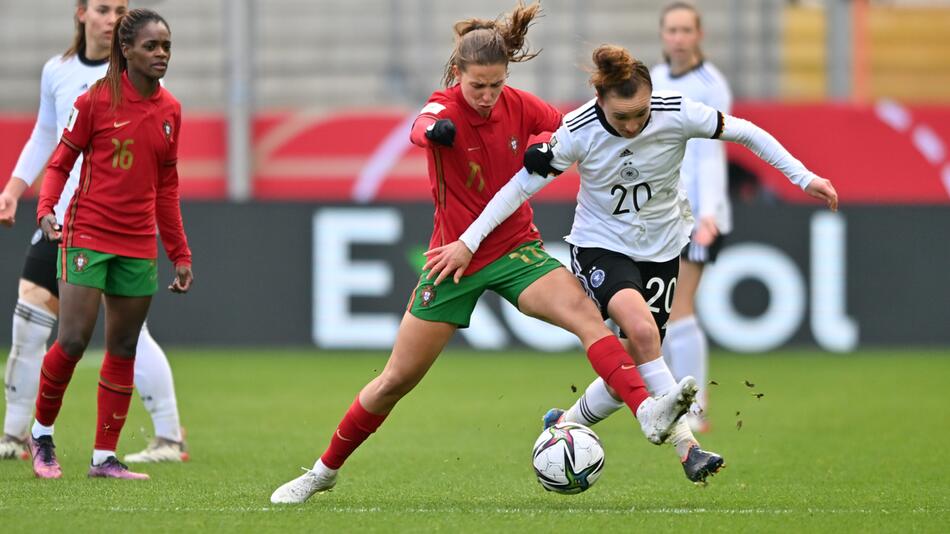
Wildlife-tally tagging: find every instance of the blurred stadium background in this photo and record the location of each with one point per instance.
(307, 206)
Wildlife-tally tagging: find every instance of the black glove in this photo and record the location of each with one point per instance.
(441, 132)
(537, 160)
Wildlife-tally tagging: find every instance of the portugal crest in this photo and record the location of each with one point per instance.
(428, 296)
(513, 142)
(167, 128)
(80, 261)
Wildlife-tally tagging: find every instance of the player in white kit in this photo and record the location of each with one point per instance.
(703, 176)
(63, 79)
(632, 217)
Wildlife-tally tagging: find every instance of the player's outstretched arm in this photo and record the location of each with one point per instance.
(766, 147)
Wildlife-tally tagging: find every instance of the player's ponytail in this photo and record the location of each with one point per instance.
(615, 70)
(126, 30)
(492, 42)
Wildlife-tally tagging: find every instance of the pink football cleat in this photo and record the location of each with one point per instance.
(44, 457)
(113, 468)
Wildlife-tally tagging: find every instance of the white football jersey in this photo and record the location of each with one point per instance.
(703, 173)
(62, 81)
(630, 200)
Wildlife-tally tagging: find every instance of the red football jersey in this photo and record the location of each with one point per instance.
(485, 155)
(129, 179)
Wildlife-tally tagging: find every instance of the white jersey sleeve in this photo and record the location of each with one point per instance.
(700, 121)
(45, 136)
(564, 148)
(766, 147)
(505, 202)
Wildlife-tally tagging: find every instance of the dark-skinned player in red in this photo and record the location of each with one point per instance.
(126, 127)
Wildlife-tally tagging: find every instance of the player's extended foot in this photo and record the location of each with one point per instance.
(700, 464)
(113, 468)
(160, 450)
(551, 418)
(44, 457)
(12, 448)
(301, 488)
(657, 415)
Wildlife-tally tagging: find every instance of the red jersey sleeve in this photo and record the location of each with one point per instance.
(545, 117)
(436, 108)
(167, 205)
(75, 139)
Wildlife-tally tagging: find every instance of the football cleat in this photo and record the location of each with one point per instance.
(13, 449)
(700, 464)
(113, 468)
(551, 418)
(44, 457)
(301, 488)
(657, 415)
(160, 450)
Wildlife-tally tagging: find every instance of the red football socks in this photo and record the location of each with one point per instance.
(355, 427)
(616, 367)
(116, 380)
(55, 374)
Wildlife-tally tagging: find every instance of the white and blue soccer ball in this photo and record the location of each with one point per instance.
(568, 458)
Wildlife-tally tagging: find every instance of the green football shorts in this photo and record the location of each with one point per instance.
(114, 275)
(508, 276)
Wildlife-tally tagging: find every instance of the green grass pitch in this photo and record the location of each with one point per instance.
(837, 443)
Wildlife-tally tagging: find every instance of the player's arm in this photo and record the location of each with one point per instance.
(168, 217)
(703, 121)
(433, 127)
(35, 154)
(542, 161)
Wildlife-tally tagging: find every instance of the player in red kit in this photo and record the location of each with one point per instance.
(127, 129)
(475, 132)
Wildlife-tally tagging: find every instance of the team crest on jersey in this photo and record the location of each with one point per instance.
(80, 261)
(428, 296)
(629, 173)
(167, 128)
(513, 142)
(553, 142)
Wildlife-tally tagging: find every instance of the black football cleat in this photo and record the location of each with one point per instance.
(700, 464)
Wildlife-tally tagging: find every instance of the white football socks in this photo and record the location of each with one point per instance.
(39, 430)
(99, 457)
(153, 379)
(595, 405)
(687, 350)
(31, 329)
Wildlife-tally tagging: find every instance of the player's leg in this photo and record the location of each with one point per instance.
(542, 288)
(433, 316)
(156, 387)
(124, 318)
(33, 319)
(418, 343)
(686, 347)
(79, 306)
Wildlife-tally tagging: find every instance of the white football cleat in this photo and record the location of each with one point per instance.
(160, 450)
(301, 488)
(13, 449)
(657, 415)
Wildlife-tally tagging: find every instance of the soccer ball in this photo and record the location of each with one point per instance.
(568, 458)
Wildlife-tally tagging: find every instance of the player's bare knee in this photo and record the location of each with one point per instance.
(72, 343)
(644, 337)
(37, 296)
